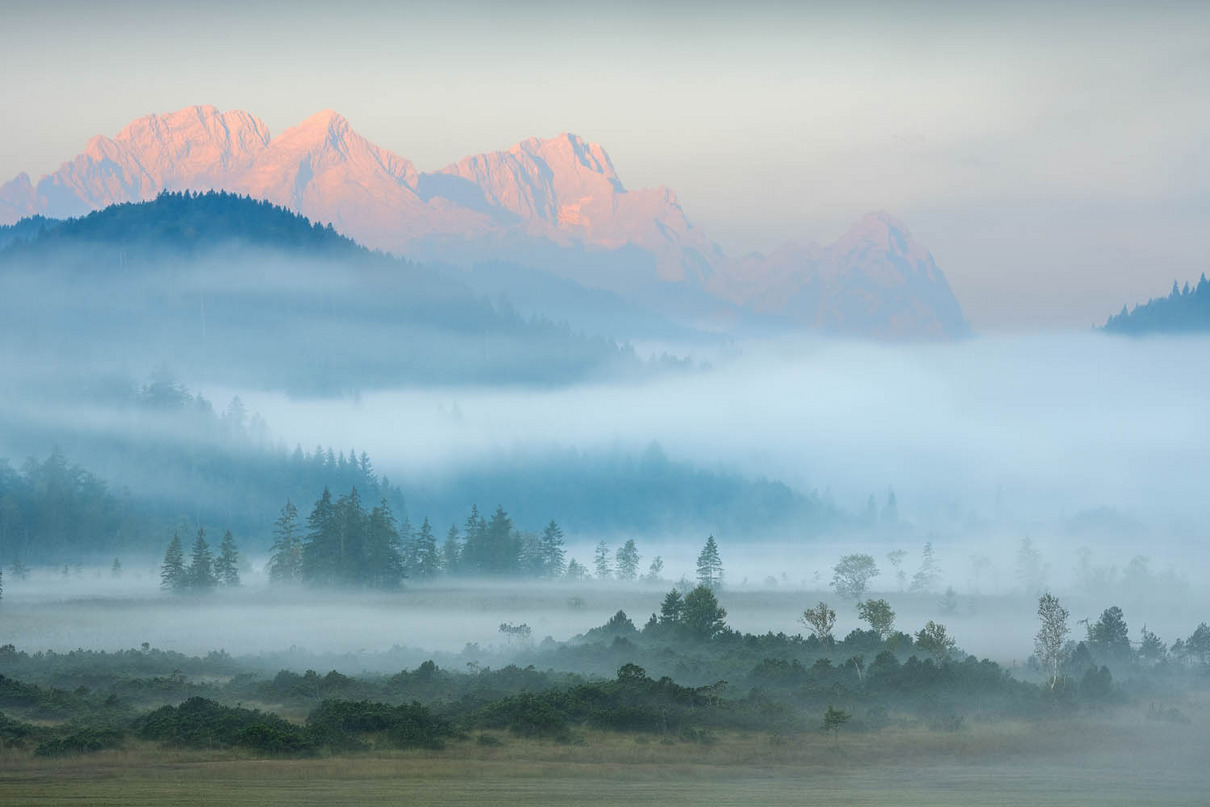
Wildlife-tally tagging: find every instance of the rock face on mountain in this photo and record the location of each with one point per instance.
(555, 204)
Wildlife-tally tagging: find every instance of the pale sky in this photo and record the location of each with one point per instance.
(1056, 162)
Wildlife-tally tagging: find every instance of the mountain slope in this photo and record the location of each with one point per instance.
(555, 204)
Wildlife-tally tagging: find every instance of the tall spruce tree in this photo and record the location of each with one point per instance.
(600, 561)
(352, 525)
(201, 564)
(172, 571)
(427, 560)
(383, 566)
(475, 556)
(710, 565)
(451, 551)
(552, 551)
(321, 551)
(285, 564)
(504, 548)
(226, 566)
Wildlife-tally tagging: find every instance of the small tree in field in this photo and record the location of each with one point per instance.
(710, 565)
(821, 621)
(852, 575)
(879, 615)
(1048, 645)
(934, 639)
(600, 561)
(833, 720)
(627, 561)
(928, 574)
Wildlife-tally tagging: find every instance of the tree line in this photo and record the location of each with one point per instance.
(342, 543)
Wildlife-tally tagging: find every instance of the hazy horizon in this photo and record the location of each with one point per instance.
(1053, 160)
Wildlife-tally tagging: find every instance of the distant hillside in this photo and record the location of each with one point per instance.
(1185, 310)
(228, 290)
(186, 222)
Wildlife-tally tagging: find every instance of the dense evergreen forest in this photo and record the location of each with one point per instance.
(1185, 310)
(180, 459)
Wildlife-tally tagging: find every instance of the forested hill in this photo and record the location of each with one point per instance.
(184, 222)
(1185, 310)
(226, 290)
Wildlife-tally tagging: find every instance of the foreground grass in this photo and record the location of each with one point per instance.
(1076, 763)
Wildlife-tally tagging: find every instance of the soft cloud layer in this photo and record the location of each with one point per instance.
(1038, 428)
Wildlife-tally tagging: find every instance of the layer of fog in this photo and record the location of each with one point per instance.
(1033, 428)
(458, 622)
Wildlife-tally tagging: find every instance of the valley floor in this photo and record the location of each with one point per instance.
(1118, 762)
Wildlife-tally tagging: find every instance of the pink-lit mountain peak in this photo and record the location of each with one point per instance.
(570, 151)
(561, 192)
(880, 230)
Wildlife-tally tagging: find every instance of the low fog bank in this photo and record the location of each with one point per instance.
(1033, 432)
(989, 606)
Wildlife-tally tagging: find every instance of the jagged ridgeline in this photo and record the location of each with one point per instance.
(231, 290)
(1185, 310)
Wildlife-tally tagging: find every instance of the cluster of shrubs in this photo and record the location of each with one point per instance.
(338, 725)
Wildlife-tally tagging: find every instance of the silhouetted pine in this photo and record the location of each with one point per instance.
(285, 564)
(553, 554)
(172, 571)
(382, 565)
(200, 574)
(427, 560)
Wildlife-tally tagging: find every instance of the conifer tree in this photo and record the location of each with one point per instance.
(552, 552)
(285, 564)
(200, 575)
(427, 558)
(710, 565)
(503, 547)
(671, 607)
(351, 540)
(451, 551)
(172, 571)
(600, 561)
(383, 564)
(926, 576)
(320, 552)
(226, 567)
(475, 556)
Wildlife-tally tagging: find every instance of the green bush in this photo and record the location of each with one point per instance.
(83, 741)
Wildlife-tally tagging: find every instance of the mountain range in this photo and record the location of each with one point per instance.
(556, 205)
